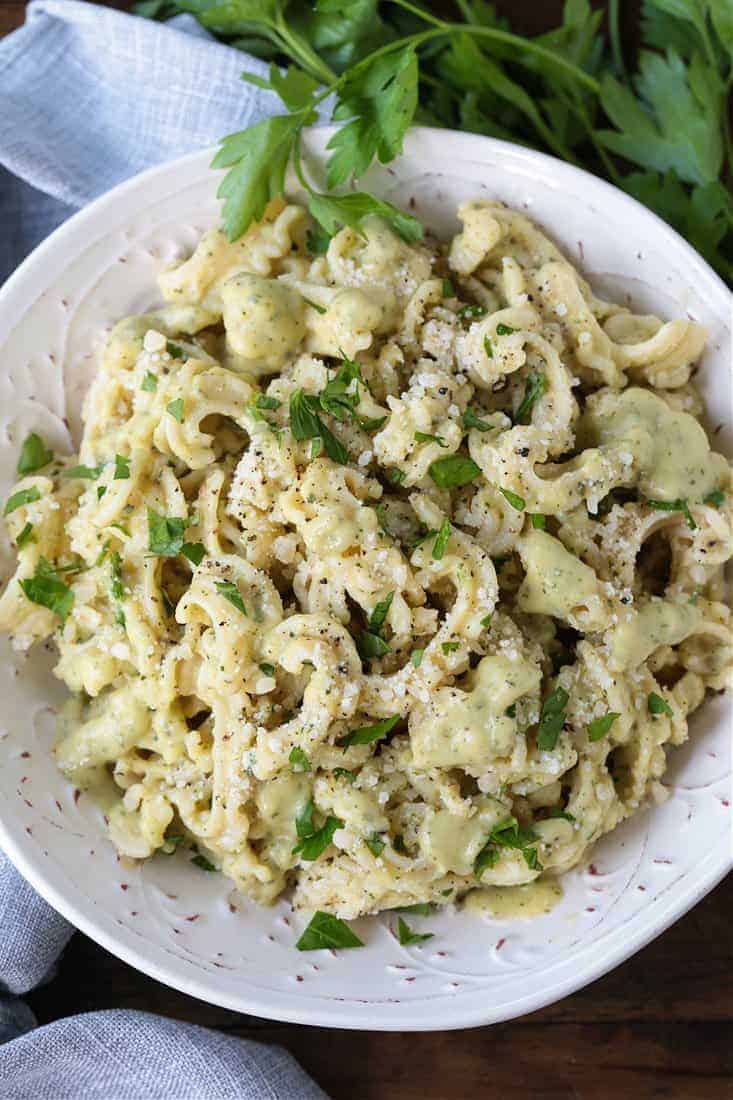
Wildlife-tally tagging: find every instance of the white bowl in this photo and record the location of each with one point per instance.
(188, 928)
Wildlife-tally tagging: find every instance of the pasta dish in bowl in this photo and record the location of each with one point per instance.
(386, 571)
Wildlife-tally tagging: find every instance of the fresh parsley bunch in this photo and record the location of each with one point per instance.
(656, 125)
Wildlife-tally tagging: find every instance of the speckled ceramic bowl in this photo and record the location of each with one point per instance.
(190, 929)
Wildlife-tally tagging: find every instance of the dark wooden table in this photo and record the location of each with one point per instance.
(658, 1026)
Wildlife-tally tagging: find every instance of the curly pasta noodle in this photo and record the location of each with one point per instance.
(381, 574)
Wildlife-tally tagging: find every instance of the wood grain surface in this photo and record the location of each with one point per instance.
(658, 1026)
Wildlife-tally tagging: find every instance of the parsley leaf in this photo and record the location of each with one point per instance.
(230, 592)
(326, 931)
(334, 211)
(599, 727)
(122, 468)
(317, 241)
(471, 419)
(175, 408)
(407, 936)
(425, 437)
(453, 470)
(534, 388)
(26, 535)
(514, 499)
(299, 760)
(416, 657)
(507, 834)
(657, 705)
(33, 455)
(45, 588)
(380, 99)
(256, 159)
(539, 522)
(194, 551)
(441, 540)
(367, 735)
(149, 382)
(305, 423)
(552, 718)
(165, 534)
(344, 773)
(675, 506)
(89, 473)
(504, 330)
(202, 862)
(21, 498)
(375, 844)
(313, 842)
(714, 499)
(380, 612)
(371, 645)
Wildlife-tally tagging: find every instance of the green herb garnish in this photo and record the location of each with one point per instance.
(327, 932)
(149, 382)
(407, 936)
(426, 437)
(313, 842)
(122, 468)
(26, 535)
(230, 592)
(194, 551)
(534, 388)
(299, 760)
(453, 470)
(657, 705)
(471, 419)
(21, 498)
(441, 540)
(175, 408)
(599, 727)
(367, 735)
(674, 506)
(46, 589)
(34, 455)
(165, 534)
(552, 718)
(514, 499)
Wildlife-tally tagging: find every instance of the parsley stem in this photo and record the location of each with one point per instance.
(420, 13)
(301, 52)
(615, 35)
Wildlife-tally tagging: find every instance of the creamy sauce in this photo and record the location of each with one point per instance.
(471, 727)
(533, 899)
(657, 623)
(557, 583)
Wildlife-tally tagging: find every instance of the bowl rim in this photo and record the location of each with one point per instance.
(467, 1011)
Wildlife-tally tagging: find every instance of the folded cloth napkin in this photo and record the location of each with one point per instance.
(88, 97)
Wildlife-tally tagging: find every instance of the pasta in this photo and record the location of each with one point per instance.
(383, 573)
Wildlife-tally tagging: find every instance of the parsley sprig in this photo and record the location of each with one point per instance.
(654, 122)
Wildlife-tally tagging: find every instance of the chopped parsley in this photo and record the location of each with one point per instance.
(534, 388)
(657, 705)
(175, 408)
(299, 760)
(447, 289)
(675, 506)
(453, 470)
(46, 589)
(21, 498)
(305, 423)
(174, 350)
(122, 468)
(88, 473)
(407, 937)
(202, 862)
(380, 612)
(552, 718)
(375, 844)
(268, 669)
(149, 382)
(26, 535)
(416, 657)
(33, 455)
(426, 437)
(441, 540)
(599, 727)
(264, 402)
(194, 551)
(504, 330)
(314, 305)
(326, 931)
(367, 735)
(317, 241)
(313, 842)
(514, 499)
(714, 499)
(165, 534)
(450, 647)
(539, 522)
(471, 311)
(370, 642)
(471, 419)
(230, 592)
(508, 834)
(344, 773)
(488, 347)
(118, 587)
